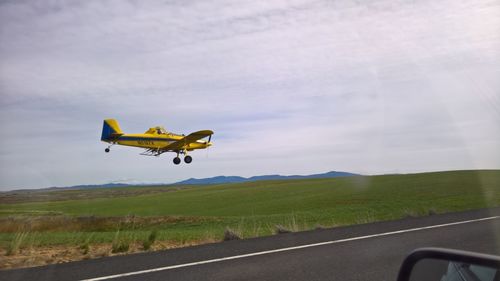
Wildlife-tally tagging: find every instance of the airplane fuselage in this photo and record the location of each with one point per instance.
(155, 141)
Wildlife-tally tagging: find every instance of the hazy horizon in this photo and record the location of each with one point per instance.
(145, 183)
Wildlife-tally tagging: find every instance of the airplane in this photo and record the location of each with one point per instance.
(156, 140)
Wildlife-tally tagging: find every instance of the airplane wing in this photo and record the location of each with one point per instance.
(193, 137)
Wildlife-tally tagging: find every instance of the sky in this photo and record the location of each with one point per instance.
(288, 87)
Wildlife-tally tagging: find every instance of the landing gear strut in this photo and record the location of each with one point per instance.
(187, 159)
(108, 149)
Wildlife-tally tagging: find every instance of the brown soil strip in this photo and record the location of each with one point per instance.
(38, 256)
(13, 224)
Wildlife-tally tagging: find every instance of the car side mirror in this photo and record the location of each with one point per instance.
(436, 264)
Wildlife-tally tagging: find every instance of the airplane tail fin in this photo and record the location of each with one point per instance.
(110, 130)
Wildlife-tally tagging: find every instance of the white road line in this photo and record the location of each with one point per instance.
(286, 249)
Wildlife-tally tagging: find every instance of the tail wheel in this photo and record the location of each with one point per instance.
(106, 150)
(177, 160)
(188, 159)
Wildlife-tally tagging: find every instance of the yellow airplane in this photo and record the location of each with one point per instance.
(156, 140)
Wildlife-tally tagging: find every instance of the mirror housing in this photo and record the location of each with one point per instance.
(447, 257)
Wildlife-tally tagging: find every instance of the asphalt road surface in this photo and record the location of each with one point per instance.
(371, 251)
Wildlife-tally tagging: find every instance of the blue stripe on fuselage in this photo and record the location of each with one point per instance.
(124, 138)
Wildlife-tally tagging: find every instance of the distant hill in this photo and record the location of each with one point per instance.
(107, 185)
(236, 179)
(213, 180)
(193, 181)
(77, 187)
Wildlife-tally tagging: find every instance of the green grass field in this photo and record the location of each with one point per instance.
(202, 213)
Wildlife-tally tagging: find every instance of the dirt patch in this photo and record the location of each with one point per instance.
(14, 224)
(38, 256)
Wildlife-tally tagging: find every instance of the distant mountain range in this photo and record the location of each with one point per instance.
(236, 179)
(203, 181)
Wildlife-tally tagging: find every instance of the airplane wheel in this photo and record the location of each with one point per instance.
(188, 159)
(177, 160)
(106, 150)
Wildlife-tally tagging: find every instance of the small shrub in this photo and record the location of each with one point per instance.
(294, 226)
(146, 244)
(319, 226)
(431, 212)
(120, 247)
(16, 243)
(365, 217)
(85, 247)
(256, 230)
(120, 243)
(279, 229)
(230, 234)
(410, 214)
(152, 236)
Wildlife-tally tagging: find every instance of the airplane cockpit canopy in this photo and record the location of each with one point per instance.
(160, 130)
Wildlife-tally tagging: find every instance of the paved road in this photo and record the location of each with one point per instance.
(363, 252)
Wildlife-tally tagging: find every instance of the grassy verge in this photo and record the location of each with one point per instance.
(204, 213)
